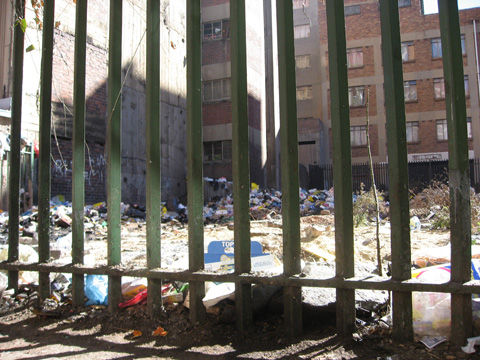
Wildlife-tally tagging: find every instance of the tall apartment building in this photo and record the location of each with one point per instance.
(216, 76)
(423, 79)
(426, 126)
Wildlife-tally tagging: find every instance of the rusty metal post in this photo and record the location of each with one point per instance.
(154, 198)
(240, 162)
(459, 168)
(398, 167)
(114, 149)
(289, 162)
(15, 136)
(78, 177)
(44, 145)
(195, 158)
(342, 162)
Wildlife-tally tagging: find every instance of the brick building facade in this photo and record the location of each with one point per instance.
(216, 75)
(423, 79)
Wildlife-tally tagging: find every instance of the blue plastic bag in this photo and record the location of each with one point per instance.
(96, 289)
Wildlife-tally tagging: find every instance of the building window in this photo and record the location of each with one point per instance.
(408, 51)
(302, 61)
(412, 132)
(410, 90)
(358, 135)
(439, 88)
(352, 10)
(354, 58)
(304, 93)
(300, 4)
(467, 89)
(212, 30)
(404, 3)
(217, 150)
(215, 90)
(437, 47)
(301, 31)
(442, 131)
(356, 96)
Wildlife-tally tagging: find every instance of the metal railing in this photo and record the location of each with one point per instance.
(460, 286)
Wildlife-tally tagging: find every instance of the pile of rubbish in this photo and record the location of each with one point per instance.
(265, 204)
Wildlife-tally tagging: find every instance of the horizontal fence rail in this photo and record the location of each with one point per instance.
(342, 175)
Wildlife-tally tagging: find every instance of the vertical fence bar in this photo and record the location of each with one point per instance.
(45, 138)
(289, 160)
(154, 198)
(114, 150)
(78, 179)
(398, 166)
(15, 135)
(240, 162)
(342, 167)
(459, 178)
(195, 157)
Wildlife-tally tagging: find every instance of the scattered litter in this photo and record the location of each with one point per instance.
(431, 311)
(96, 289)
(471, 342)
(135, 334)
(415, 224)
(160, 331)
(431, 341)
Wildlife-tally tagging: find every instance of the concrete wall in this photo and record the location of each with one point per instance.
(173, 79)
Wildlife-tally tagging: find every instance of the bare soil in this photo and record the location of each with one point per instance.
(88, 333)
(92, 332)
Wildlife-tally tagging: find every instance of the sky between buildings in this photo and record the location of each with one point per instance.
(431, 6)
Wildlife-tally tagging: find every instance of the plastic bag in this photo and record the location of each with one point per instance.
(431, 311)
(96, 289)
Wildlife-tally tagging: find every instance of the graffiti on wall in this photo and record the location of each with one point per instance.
(94, 173)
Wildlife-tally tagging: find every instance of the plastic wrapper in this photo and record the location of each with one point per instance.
(431, 311)
(96, 289)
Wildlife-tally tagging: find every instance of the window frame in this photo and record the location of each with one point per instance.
(443, 132)
(358, 132)
(298, 57)
(308, 91)
(350, 51)
(404, 3)
(225, 90)
(351, 10)
(356, 88)
(213, 37)
(469, 128)
(214, 155)
(439, 81)
(300, 4)
(296, 33)
(409, 45)
(438, 42)
(411, 84)
(466, 86)
(414, 127)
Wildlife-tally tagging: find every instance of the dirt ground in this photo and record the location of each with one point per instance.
(94, 333)
(89, 332)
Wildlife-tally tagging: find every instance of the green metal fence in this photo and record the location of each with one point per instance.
(460, 286)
